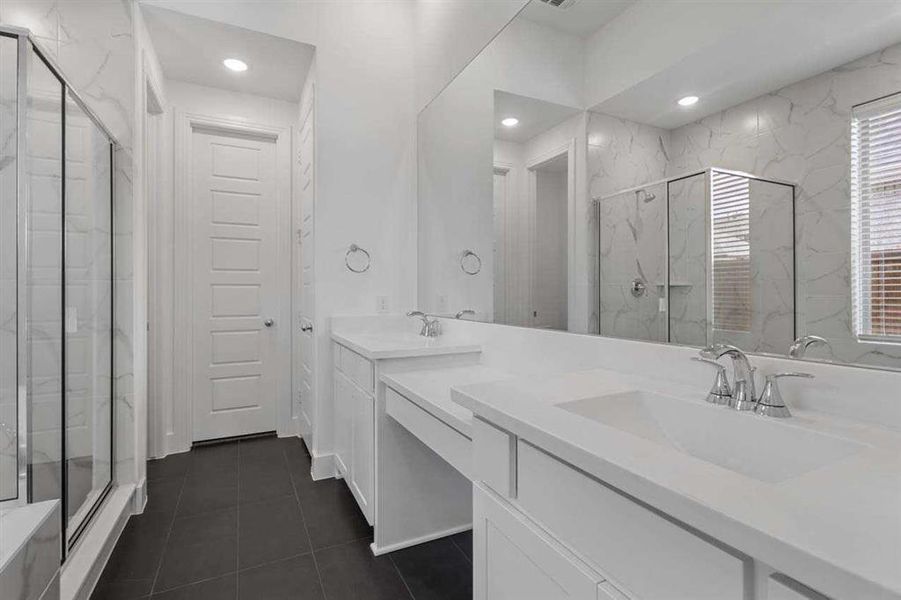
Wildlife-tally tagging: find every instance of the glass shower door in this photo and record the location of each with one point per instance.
(88, 315)
(10, 459)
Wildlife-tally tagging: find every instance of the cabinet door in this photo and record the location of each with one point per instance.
(514, 560)
(362, 459)
(343, 424)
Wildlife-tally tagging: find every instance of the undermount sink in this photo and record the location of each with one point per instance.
(748, 444)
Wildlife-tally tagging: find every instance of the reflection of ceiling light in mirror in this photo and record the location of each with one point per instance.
(510, 122)
(688, 100)
(235, 65)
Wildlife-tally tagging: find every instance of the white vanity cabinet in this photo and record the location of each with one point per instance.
(545, 529)
(354, 406)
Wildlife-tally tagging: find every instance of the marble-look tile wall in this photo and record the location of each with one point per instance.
(621, 154)
(93, 43)
(800, 134)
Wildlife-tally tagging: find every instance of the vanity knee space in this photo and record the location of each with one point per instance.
(590, 540)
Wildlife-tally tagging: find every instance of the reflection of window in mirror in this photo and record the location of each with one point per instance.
(876, 192)
(730, 225)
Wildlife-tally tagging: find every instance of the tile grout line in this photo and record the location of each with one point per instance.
(303, 520)
(401, 575)
(159, 567)
(238, 522)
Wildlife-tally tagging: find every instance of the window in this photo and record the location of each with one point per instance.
(876, 218)
(730, 207)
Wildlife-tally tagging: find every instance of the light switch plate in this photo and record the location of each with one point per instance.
(381, 304)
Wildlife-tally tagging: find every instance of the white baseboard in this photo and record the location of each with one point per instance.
(139, 500)
(85, 564)
(323, 467)
(378, 551)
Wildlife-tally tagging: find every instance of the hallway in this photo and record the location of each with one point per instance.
(244, 520)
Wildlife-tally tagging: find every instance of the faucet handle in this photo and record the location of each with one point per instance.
(720, 392)
(771, 403)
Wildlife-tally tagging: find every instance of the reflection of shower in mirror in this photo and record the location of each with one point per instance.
(644, 196)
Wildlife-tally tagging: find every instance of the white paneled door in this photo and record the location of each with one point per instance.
(235, 294)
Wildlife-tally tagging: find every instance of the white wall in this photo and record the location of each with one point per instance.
(225, 104)
(449, 34)
(365, 151)
(551, 227)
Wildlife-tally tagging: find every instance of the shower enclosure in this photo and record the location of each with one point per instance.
(56, 290)
(701, 258)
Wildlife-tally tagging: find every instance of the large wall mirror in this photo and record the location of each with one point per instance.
(676, 172)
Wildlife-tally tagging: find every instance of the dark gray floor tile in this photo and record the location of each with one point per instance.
(214, 458)
(122, 590)
(162, 495)
(212, 496)
(463, 541)
(264, 484)
(265, 450)
(436, 570)
(190, 563)
(218, 476)
(221, 588)
(205, 527)
(174, 465)
(332, 515)
(269, 531)
(138, 552)
(292, 579)
(351, 572)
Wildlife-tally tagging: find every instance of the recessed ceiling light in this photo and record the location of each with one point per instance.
(510, 122)
(688, 100)
(235, 65)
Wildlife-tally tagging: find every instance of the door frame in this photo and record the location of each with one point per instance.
(569, 150)
(183, 402)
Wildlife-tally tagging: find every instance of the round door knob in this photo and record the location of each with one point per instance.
(268, 322)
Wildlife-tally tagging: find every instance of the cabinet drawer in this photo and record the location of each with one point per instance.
(494, 451)
(650, 555)
(441, 438)
(358, 369)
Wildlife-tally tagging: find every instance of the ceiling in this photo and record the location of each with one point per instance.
(192, 49)
(535, 116)
(582, 18)
(755, 55)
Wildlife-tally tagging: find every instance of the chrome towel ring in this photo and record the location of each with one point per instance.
(362, 261)
(470, 262)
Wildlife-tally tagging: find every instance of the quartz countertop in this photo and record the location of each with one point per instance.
(430, 389)
(376, 346)
(836, 528)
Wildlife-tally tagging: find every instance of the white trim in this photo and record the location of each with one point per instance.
(569, 150)
(84, 565)
(323, 467)
(185, 125)
(379, 550)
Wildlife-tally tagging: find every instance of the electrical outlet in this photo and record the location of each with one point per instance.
(381, 304)
(442, 304)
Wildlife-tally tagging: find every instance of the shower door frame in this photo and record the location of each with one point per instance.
(666, 181)
(27, 48)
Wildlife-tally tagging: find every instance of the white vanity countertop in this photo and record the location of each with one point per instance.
(837, 528)
(430, 389)
(375, 346)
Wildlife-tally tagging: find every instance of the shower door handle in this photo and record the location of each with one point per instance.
(268, 322)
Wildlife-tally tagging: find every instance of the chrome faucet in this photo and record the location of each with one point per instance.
(464, 312)
(771, 403)
(430, 327)
(799, 347)
(744, 394)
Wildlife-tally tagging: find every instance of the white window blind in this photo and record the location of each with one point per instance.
(730, 206)
(876, 218)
